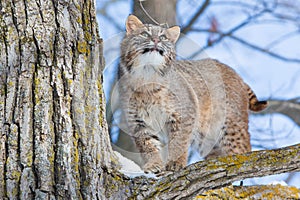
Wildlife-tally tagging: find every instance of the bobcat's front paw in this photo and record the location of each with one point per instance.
(153, 167)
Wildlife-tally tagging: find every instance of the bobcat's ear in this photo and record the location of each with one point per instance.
(173, 33)
(132, 23)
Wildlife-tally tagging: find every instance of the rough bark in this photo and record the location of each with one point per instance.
(53, 134)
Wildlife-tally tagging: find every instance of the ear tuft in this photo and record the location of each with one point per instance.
(173, 33)
(133, 23)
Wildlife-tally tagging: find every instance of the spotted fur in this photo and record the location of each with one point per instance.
(172, 105)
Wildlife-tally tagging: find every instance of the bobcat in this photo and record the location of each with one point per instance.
(171, 105)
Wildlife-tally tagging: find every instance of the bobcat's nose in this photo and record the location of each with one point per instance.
(155, 40)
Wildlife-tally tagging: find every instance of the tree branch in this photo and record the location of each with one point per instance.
(211, 174)
(290, 108)
(195, 17)
(244, 42)
(228, 33)
(272, 54)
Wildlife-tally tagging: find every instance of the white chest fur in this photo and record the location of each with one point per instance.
(150, 58)
(147, 66)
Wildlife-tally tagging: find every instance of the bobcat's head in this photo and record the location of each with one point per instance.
(148, 46)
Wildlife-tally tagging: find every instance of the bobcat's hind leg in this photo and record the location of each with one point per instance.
(234, 141)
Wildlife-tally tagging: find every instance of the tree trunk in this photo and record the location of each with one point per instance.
(54, 137)
(162, 11)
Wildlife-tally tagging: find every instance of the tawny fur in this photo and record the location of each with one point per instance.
(170, 105)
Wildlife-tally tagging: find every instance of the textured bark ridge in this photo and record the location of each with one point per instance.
(53, 136)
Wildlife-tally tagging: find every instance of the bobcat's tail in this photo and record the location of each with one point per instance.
(254, 103)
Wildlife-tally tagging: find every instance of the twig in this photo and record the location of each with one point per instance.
(223, 35)
(272, 54)
(195, 17)
(289, 108)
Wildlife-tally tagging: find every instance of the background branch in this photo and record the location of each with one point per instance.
(244, 42)
(195, 17)
(290, 108)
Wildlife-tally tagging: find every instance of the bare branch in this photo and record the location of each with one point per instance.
(244, 42)
(224, 35)
(112, 20)
(103, 11)
(250, 19)
(195, 17)
(239, 4)
(282, 38)
(289, 108)
(270, 53)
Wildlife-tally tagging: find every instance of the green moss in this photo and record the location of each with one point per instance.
(36, 89)
(79, 20)
(83, 47)
(98, 155)
(15, 191)
(51, 159)
(88, 109)
(8, 161)
(26, 40)
(86, 13)
(76, 159)
(100, 91)
(115, 161)
(10, 84)
(252, 192)
(29, 158)
(16, 175)
(3, 185)
(70, 82)
(10, 31)
(2, 93)
(237, 159)
(87, 36)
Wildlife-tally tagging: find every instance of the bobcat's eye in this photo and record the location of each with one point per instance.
(145, 34)
(163, 37)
